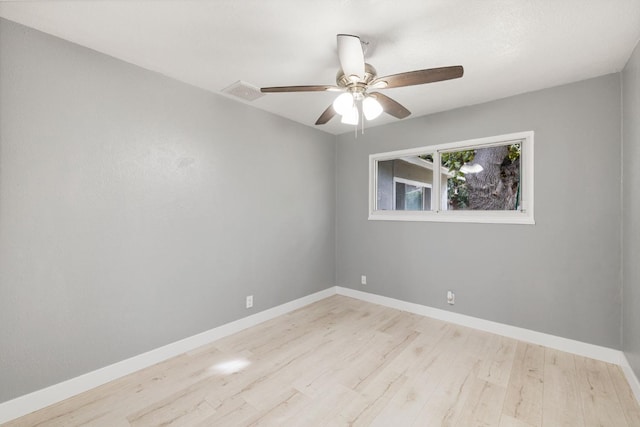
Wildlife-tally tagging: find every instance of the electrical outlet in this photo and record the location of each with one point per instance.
(363, 280)
(249, 301)
(451, 298)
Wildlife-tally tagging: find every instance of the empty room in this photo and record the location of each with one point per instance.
(329, 213)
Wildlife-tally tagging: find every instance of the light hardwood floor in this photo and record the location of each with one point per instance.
(342, 361)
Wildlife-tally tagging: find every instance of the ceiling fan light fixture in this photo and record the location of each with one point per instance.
(351, 116)
(343, 103)
(371, 108)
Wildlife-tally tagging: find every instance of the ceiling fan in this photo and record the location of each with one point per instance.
(355, 78)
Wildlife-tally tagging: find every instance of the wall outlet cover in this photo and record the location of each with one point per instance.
(451, 298)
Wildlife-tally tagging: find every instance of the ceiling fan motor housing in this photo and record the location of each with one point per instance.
(369, 75)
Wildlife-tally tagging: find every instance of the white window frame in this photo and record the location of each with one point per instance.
(524, 215)
(409, 182)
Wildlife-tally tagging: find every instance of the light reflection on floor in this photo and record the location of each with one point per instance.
(230, 367)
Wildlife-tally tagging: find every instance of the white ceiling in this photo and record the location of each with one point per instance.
(506, 46)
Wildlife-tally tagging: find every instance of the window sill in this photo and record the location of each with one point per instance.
(482, 217)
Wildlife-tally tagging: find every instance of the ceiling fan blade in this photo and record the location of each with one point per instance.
(419, 77)
(317, 88)
(391, 106)
(351, 55)
(326, 115)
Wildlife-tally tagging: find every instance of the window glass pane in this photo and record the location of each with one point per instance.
(412, 197)
(482, 178)
(405, 183)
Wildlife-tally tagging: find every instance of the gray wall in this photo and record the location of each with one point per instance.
(136, 211)
(560, 276)
(631, 210)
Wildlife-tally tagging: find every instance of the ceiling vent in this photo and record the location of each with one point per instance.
(243, 90)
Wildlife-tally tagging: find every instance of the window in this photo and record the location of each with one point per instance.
(411, 195)
(482, 180)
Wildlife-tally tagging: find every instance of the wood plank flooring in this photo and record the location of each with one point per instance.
(345, 362)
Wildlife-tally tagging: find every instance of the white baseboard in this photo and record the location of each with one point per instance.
(42, 398)
(39, 399)
(605, 354)
(632, 379)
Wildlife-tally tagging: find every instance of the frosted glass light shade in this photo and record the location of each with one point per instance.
(350, 117)
(471, 168)
(343, 103)
(371, 108)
